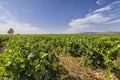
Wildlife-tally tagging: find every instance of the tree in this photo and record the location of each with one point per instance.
(10, 31)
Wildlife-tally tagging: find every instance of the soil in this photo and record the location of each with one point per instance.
(2, 48)
(75, 71)
(72, 67)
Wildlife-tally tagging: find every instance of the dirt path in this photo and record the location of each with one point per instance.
(71, 66)
(77, 72)
(2, 48)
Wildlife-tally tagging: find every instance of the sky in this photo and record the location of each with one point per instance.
(59, 16)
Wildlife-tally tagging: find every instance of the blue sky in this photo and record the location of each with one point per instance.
(59, 16)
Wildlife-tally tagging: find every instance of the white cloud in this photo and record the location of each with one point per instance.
(7, 20)
(81, 25)
(77, 29)
(103, 9)
(113, 21)
(103, 19)
(19, 28)
(102, 2)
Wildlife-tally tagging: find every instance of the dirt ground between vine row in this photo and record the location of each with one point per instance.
(76, 71)
(2, 48)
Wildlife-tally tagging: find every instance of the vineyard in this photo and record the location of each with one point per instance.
(51, 56)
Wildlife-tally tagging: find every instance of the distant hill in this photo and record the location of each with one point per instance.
(107, 32)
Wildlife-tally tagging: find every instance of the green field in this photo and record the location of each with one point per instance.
(58, 56)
